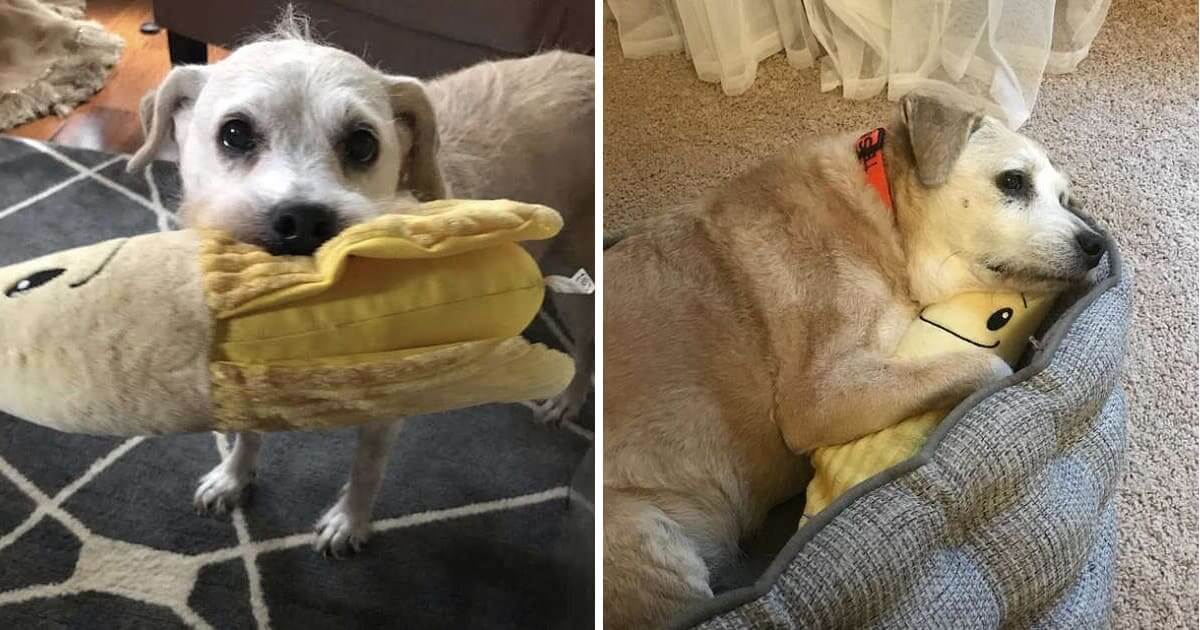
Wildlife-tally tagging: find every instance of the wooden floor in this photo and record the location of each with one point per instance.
(109, 121)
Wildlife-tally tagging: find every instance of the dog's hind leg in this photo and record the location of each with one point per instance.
(223, 488)
(347, 525)
(652, 568)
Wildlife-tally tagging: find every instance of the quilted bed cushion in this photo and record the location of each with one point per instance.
(1005, 518)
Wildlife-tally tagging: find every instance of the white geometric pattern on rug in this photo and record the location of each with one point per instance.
(121, 568)
(175, 574)
(166, 219)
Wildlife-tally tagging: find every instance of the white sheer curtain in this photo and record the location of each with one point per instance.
(995, 51)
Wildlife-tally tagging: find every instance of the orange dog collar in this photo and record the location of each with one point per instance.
(870, 154)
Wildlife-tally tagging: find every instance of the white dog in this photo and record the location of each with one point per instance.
(287, 141)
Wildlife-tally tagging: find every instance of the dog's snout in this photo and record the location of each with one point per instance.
(298, 229)
(1092, 246)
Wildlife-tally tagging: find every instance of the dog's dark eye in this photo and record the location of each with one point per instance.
(1012, 182)
(237, 135)
(31, 282)
(999, 319)
(361, 147)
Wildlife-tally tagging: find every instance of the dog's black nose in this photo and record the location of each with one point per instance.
(1092, 246)
(298, 229)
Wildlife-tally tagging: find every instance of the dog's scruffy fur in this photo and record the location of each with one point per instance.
(518, 129)
(761, 323)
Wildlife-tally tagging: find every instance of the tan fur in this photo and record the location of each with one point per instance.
(523, 129)
(759, 324)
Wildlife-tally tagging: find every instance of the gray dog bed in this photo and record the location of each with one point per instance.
(1006, 518)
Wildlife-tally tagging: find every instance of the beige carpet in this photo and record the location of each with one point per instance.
(1125, 121)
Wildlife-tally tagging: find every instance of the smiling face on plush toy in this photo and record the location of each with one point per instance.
(67, 271)
(84, 298)
(975, 329)
(103, 321)
(999, 322)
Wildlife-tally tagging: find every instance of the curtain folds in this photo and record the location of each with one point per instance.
(994, 51)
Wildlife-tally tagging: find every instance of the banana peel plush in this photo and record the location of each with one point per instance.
(192, 331)
(998, 322)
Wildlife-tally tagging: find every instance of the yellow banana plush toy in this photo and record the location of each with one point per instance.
(191, 330)
(999, 322)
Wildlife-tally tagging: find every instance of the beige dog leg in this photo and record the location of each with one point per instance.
(864, 394)
(347, 525)
(652, 569)
(224, 487)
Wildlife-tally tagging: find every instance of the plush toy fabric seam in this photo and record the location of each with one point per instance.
(422, 309)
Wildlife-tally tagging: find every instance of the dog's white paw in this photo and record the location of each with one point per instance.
(1000, 368)
(564, 407)
(221, 490)
(342, 530)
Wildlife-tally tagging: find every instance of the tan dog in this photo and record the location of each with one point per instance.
(745, 331)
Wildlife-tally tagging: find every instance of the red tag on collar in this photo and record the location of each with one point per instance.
(870, 154)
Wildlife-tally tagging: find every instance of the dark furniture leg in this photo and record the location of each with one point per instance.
(185, 50)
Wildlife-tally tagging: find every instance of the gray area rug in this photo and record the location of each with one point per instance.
(485, 520)
(1124, 122)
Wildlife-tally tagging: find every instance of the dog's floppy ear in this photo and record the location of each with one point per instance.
(938, 130)
(415, 119)
(158, 110)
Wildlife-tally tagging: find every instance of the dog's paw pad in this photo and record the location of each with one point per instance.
(220, 491)
(341, 532)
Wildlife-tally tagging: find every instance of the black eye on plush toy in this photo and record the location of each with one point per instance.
(999, 319)
(31, 282)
